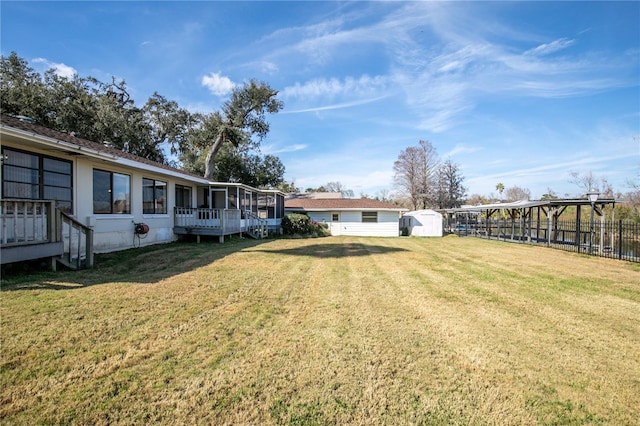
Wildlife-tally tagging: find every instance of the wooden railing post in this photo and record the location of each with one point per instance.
(52, 222)
(89, 248)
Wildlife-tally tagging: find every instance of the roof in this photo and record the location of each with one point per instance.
(309, 204)
(68, 142)
(426, 212)
(71, 144)
(315, 195)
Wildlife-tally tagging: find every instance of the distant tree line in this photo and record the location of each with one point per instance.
(222, 145)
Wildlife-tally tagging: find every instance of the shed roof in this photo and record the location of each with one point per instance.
(427, 212)
(307, 204)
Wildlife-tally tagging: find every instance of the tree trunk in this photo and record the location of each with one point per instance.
(211, 155)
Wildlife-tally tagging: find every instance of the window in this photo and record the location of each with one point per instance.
(154, 196)
(111, 192)
(335, 217)
(183, 196)
(370, 217)
(33, 176)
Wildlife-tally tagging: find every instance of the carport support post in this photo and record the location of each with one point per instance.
(549, 220)
(538, 226)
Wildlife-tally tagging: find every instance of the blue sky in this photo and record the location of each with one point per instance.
(520, 93)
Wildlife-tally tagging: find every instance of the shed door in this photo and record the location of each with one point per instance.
(334, 226)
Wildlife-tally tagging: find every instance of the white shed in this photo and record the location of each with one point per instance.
(422, 223)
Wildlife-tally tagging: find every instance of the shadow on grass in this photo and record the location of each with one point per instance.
(145, 265)
(335, 250)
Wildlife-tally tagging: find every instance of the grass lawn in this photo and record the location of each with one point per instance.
(336, 330)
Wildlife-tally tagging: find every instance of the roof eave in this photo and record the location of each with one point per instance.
(74, 149)
(56, 143)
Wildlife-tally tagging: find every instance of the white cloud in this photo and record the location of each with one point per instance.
(440, 83)
(60, 69)
(335, 106)
(365, 85)
(218, 84)
(461, 149)
(272, 149)
(269, 67)
(548, 48)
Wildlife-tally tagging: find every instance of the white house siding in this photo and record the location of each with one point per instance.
(351, 224)
(320, 216)
(115, 231)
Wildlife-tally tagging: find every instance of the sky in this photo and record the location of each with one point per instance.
(518, 93)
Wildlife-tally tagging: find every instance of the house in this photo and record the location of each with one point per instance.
(350, 216)
(422, 223)
(62, 194)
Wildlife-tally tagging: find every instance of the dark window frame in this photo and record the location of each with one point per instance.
(183, 195)
(157, 202)
(117, 204)
(41, 184)
(369, 217)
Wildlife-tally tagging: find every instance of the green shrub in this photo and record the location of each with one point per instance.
(317, 229)
(300, 224)
(295, 223)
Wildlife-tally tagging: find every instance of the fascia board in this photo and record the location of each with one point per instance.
(56, 143)
(159, 170)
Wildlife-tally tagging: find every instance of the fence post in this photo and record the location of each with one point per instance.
(620, 239)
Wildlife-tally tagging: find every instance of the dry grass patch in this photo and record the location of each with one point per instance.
(326, 331)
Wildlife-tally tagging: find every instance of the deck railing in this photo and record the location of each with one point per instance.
(78, 242)
(35, 228)
(27, 222)
(223, 220)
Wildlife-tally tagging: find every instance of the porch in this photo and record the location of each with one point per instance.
(221, 222)
(230, 209)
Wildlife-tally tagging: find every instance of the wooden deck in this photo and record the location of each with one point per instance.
(35, 229)
(218, 222)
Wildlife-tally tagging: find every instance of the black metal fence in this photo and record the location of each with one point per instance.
(613, 239)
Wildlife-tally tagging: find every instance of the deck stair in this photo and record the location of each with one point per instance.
(78, 242)
(256, 227)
